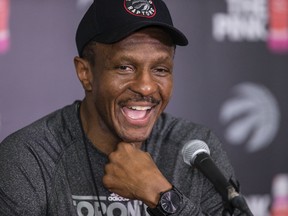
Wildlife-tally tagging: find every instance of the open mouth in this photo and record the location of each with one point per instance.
(137, 112)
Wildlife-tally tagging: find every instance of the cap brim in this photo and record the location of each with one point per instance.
(116, 35)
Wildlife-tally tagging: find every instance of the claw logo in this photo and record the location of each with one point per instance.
(143, 8)
(83, 3)
(252, 115)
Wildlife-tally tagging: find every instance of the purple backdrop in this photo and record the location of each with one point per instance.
(232, 77)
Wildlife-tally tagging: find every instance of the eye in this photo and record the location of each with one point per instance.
(162, 71)
(125, 69)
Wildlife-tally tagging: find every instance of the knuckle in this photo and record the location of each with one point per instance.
(112, 155)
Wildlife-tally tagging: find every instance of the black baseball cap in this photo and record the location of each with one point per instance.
(108, 21)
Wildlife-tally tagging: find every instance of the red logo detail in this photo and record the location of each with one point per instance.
(4, 26)
(142, 8)
(278, 29)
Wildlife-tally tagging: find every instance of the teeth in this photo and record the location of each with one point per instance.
(140, 108)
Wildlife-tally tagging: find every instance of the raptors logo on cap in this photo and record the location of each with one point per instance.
(143, 8)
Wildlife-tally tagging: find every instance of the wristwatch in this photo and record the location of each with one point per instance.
(170, 202)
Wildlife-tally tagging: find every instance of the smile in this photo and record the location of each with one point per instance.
(137, 112)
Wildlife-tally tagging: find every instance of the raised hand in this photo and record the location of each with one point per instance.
(132, 173)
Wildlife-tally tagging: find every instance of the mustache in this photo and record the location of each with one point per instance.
(140, 98)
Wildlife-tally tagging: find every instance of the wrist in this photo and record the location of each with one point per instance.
(170, 202)
(154, 195)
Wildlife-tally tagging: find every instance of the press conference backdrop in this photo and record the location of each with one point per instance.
(232, 77)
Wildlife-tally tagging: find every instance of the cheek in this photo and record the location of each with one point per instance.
(108, 91)
(166, 89)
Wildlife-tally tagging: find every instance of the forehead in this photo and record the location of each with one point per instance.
(151, 36)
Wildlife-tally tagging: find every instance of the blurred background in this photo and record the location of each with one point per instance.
(232, 78)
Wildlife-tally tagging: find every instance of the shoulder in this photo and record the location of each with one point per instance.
(30, 157)
(49, 134)
(180, 129)
(172, 133)
(176, 132)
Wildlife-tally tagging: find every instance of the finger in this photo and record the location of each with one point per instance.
(108, 168)
(107, 182)
(135, 145)
(109, 179)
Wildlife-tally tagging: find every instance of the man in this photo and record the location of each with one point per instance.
(115, 152)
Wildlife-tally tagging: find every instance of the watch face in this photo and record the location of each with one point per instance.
(170, 202)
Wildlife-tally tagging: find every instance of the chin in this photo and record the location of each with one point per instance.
(134, 134)
(131, 139)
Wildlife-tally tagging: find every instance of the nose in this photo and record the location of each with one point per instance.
(145, 84)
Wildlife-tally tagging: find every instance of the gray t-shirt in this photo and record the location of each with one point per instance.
(50, 168)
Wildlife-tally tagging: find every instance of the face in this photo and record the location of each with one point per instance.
(131, 84)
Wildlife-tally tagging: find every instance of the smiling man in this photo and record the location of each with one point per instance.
(115, 152)
(127, 87)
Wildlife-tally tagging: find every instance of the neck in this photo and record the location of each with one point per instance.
(102, 139)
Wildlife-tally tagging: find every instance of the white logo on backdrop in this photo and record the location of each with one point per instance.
(245, 20)
(259, 204)
(83, 3)
(252, 115)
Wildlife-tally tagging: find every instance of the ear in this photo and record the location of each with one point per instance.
(84, 72)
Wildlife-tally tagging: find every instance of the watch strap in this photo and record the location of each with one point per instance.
(155, 212)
